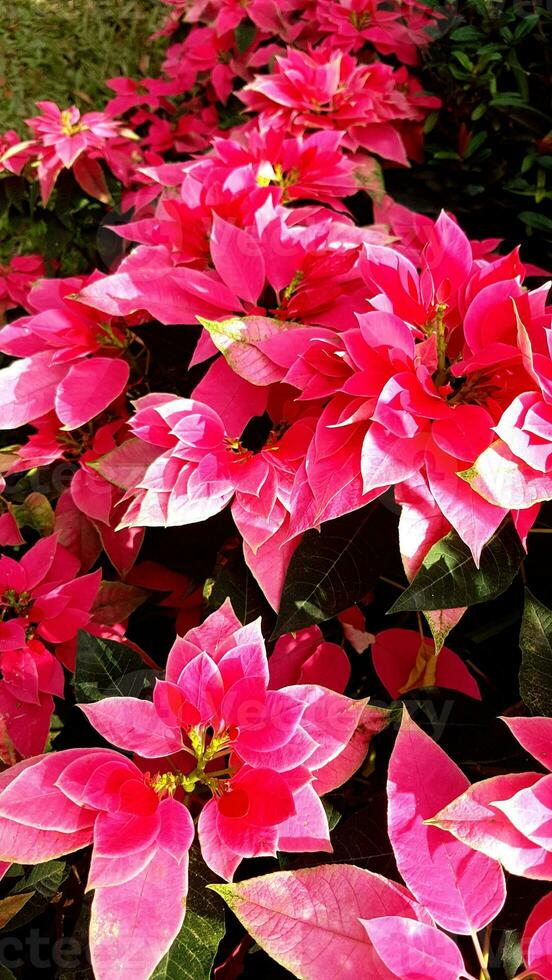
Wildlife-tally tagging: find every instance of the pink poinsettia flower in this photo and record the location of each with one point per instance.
(328, 90)
(139, 868)
(399, 28)
(17, 278)
(278, 267)
(186, 468)
(251, 743)
(67, 139)
(288, 168)
(44, 605)
(68, 359)
(508, 817)
(422, 384)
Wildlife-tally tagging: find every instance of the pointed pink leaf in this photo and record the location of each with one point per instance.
(125, 466)
(462, 889)
(535, 735)
(309, 920)
(241, 340)
(156, 897)
(540, 916)
(28, 389)
(337, 771)
(18, 801)
(414, 950)
(475, 819)
(238, 259)
(89, 387)
(202, 685)
(134, 725)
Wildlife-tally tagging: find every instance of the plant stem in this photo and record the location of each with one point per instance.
(482, 957)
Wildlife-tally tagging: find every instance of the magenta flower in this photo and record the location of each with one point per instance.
(69, 359)
(288, 168)
(139, 867)
(329, 90)
(16, 280)
(216, 707)
(43, 606)
(399, 28)
(261, 755)
(66, 139)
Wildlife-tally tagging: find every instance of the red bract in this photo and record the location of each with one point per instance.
(64, 138)
(43, 606)
(61, 364)
(324, 90)
(17, 278)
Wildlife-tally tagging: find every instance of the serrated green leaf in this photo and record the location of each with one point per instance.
(335, 567)
(535, 640)
(449, 577)
(106, 669)
(194, 949)
(44, 880)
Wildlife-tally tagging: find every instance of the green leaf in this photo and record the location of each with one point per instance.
(465, 34)
(462, 57)
(479, 111)
(235, 582)
(194, 949)
(525, 26)
(508, 99)
(474, 144)
(512, 957)
(449, 577)
(245, 35)
(106, 669)
(335, 567)
(535, 640)
(44, 880)
(536, 220)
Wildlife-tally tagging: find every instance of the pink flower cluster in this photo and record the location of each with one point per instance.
(219, 737)
(428, 377)
(332, 363)
(43, 604)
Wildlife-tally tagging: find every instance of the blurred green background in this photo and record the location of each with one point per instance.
(64, 50)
